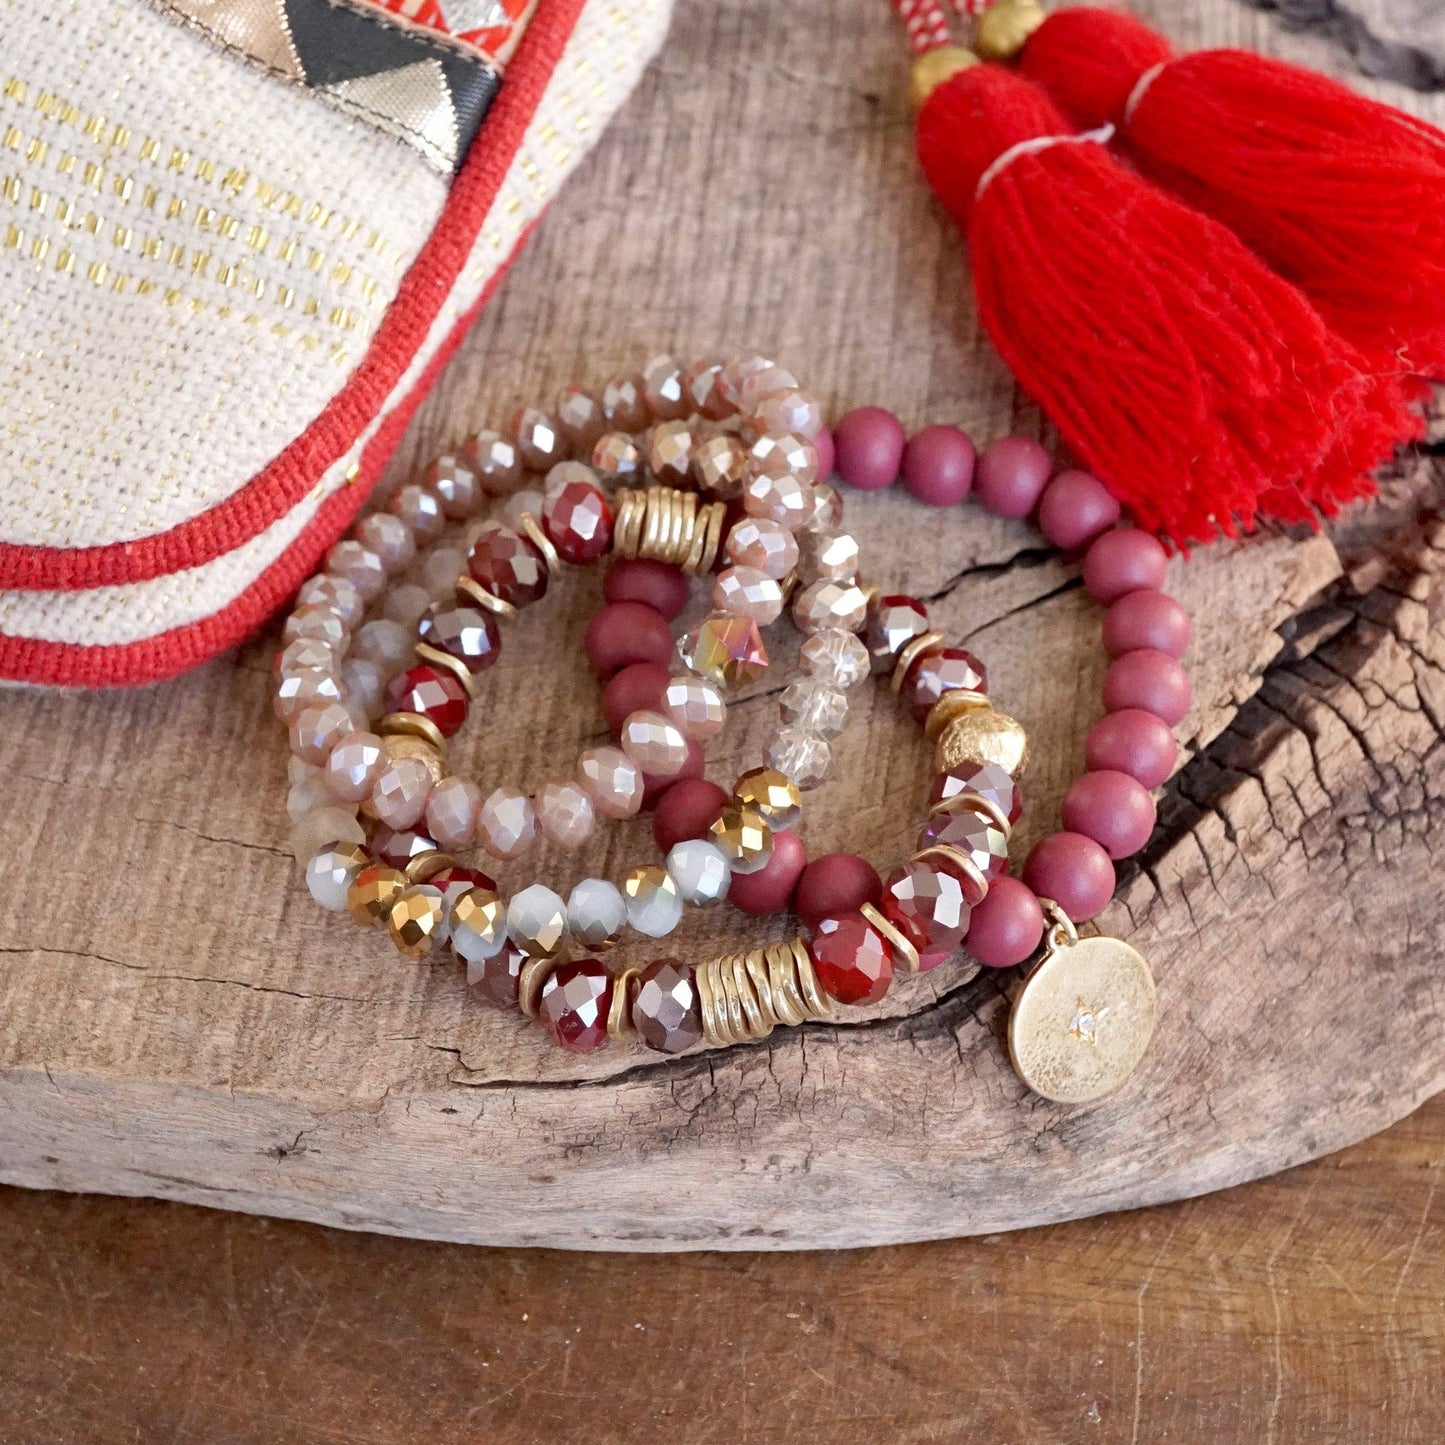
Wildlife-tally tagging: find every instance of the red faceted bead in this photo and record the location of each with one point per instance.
(432, 693)
(497, 978)
(947, 670)
(852, 959)
(574, 1003)
(397, 847)
(463, 877)
(973, 834)
(985, 780)
(508, 566)
(927, 905)
(466, 633)
(578, 522)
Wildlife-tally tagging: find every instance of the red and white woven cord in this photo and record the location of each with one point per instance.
(925, 22)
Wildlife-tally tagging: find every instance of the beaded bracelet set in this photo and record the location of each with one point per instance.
(717, 470)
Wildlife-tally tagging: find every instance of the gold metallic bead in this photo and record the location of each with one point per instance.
(933, 67)
(744, 838)
(984, 735)
(408, 745)
(772, 794)
(949, 706)
(414, 724)
(1003, 29)
(376, 888)
(416, 919)
(479, 914)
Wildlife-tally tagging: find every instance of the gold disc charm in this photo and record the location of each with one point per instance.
(1083, 1018)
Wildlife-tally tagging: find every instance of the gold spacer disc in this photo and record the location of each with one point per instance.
(933, 67)
(619, 1012)
(453, 665)
(1083, 1020)
(468, 586)
(541, 541)
(902, 946)
(426, 866)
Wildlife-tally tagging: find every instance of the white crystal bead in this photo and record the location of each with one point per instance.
(816, 705)
(802, 755)
(654, 906)
(837, 657)
(330, 874)
(596, 913)
(537, 920)
(363, 687)
(830, 604)
(321, 827)
(479, 937)
(700, 871)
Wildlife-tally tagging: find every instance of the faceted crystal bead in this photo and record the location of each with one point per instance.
(852, 959)
(316, 730)
(407, 603)
(507, 823)
(696, 706)
(319, 622)
(704, 390)
(927, 905)
(935, 673)
(497, 977)
(540, 442)
(830, 604)
(478, 925)
(624, 404)
(664, 390)
(565, 814)
(374, 889)
(669, 452)
(455, 484)
(363, 685)
(771, 794)
(432, 692)
(455, 882)
(417, 919)
(783, 499)
(768, 546)
(526, 503)
(654, 743)
(400, 792)
(499, 469)
(397, 848)
(596, 913)
(537, 921)
(728, 651)
(303, 655)
(654, 906)
(667, 1012)
(508, 566)
(743, 837)
(574, 1004)
(386, 643)
(390, 538)
(617, 457)
(420, 510)
(827, 511)
(975, 835)
(985, 780)
(893, 622)
(699, 870)
(580, 414)
(360, 566)
(735, 373)
(353, 766)
(441, 570)
(762, 383)
(786, 413)
(802, 754)
(307, 687)
(829, 556)
(836, 656)
(719, 465)
(330, 874)
(464, 632)
(309, 793)
(784, 456)
(336, 593)
(819, 706)
(747, 592)
(612, 780)
(577, 521)
(451, 812)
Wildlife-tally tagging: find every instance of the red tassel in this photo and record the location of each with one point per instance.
(1197, 384)
(1340, 194)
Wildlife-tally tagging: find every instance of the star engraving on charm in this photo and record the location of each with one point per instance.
(1084, 1025)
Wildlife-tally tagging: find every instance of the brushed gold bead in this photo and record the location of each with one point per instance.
(1004, 29)
(933, 67)
(983, 735)
(950, 706)
(376, 888)
(416, 918)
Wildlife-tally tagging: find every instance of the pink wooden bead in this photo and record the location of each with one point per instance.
(770, 889)
(1150, 680)
(687, 810)
(1006, 927)
(622, 633)
(1124, 560)
(1072, 870)
(1113, 809)
(835, 884)
(637, 688)
(1075, 508)
(938, 465)
(1135, 742)
(654, 583)
(827, 454)
(1011, 476)
(868, 444)
(1148, 619)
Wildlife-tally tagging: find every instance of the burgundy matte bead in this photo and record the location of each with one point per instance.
(1113, 809)
(938, 465)
(1150, 680)
(637, 688)
(1006, 927)
(770, 889)
(868, 445)
(834, 884)
(687, 810)
(1147, 619)
(1075, 508)
(827, 454)
(653, 788)
(1124, 560)
(655, 583)
(1011, 475)
(1072, 870)
(1135, 742)
(622, 633)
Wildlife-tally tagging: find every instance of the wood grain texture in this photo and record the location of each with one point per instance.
(178, 1019)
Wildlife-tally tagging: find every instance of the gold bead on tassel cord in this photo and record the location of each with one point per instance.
(935, 66)
(1004, 29)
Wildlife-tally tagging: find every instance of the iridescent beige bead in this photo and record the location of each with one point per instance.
(763, 383)
(772, 795)
(324, 590)
(696, 706)
(565, 814)
(827, 509)
(580, 414)
(719, 464)
(399, 795)
(802, 754)
(624, 403)
(596, 913)
(655, 743)
(748, 592)
(669, 452)
(330, 874)
(828, 556)
(353, 766)
(373, 892)
(417, 919)
(836, 656)
(420, 510)
(612, 780)
(390, 538)
(812, 704)
(360, 566)
(388, 644)
(617, 457)
(440, 571)
(507, 823)
(703, 380)
(304, 688)
(318, 623)
(320, 828)
(786, 412)
(830, 604)
(783, 499)
(408, 602)
(768, 546)
(363, 687)
(540, 442)
(316, 730)
(664, 389)
(654, 906)
(309, 794)
(784, 456)
(527, 501)
(744, 838)
(499, 469)
(455, 484)
(451, 812)
(736, 373)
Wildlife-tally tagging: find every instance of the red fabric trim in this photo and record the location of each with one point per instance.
(284, 481)
(153, 659)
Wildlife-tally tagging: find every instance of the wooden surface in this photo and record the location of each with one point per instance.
(178, 1019)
